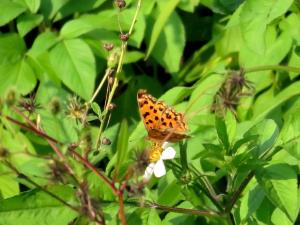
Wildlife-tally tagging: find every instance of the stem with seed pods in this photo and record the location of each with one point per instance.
(119, 69)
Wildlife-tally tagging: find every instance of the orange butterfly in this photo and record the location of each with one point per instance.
(161, 121)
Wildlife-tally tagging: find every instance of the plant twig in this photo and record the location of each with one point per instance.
(272, 67)
(209, 213)
(238, 192)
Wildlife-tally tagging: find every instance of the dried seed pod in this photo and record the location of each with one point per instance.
(120, 4)
(124, 37)
(111, 106)
(108, 46)
(106, 141)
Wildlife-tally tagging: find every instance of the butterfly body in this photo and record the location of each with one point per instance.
(162, 122)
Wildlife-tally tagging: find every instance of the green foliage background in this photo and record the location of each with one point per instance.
(181, 51)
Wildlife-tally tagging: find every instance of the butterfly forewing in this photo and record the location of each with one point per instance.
(161, 121)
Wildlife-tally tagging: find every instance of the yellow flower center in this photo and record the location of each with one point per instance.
(155, 153)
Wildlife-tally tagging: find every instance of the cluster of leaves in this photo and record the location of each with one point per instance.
(230, 65)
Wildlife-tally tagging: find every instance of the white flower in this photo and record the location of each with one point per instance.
(157, 165)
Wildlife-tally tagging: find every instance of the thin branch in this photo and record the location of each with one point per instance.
(272, 67)
(95, 170)
(9, 165)
(238, 192)
(197, 212)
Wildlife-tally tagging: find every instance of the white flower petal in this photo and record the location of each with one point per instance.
(149, 171)
(168, 153)
(165, 145)
(159, 168)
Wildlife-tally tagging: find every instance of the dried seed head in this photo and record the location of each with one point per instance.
(105, 141)
(55, 105)
(76, 110)
(4, 153)
(120, 4)
(111, 106)
(29, 104)
(111, 80)
(124, 37)
(108, 46)
(11, 97)
(57, 171)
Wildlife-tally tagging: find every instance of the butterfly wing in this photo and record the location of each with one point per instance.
(162, 122)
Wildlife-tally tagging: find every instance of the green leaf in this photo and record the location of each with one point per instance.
(75, 66)
(153, 218)
(96, 108)
(279, 182)
(49, 8)
(222, 132)
(12, 48)
(203, 95)
(168, 7)
(122, 145)
(254, 25)
(297, 50)
(72, 7)
(18, 75)
(267, 133)
(27, 22)
(133, 56)
(9, 11)
(9, 186)
(38, 207)
(43, 43)
(169, 193)
(33, 5)
(170, 43)
(250, 202)
(273, 102)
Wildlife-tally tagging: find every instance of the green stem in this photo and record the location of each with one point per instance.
(272, 67)
(107, 72)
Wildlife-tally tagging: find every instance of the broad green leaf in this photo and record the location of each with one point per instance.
(18, 75)
(9, 185)
(43, 43)
(38, 207)
(173, 218)
(153, 218)
(170, 43)
(9, 11)
(222, 132)
(276, 101)
(250, 202)
(279, 217)
(133, 56)
(254, 25)
(267, 133)
(122, 145)
(33, 5)
(72, 7)
(27, 22)
(167, 7)
(176, 95)
(203, 96)
(49, 8)
(279, 182)
(170, 194)
(14, 68)
(60, 127)
(75, 66)
(12, 48)
(188, 5)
